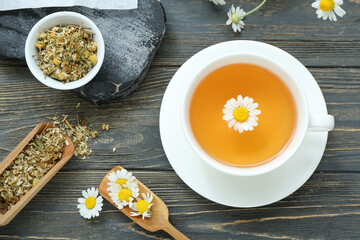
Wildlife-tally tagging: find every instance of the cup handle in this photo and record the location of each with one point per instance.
(320, 122)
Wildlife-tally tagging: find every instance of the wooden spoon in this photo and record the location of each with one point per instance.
(7, 216)
(159, 219)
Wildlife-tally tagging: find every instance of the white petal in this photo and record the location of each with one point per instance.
(231, 123)
(81, 200)
(227, 111)
(250, 103)
(245, 126)
(255, 112)
(134, 214)
(234, 27)
(252, 106)
(234, 103)
(228, 117)
(246, 101)
(319, 13)
(241, 129)
(239, 99)
(338, 2)
(339, 11)
(333, 16)
(237, 126)
(99, 199)
(315, 4)
(252, 121)
(228, 22)
(326, 15)
(85, 194)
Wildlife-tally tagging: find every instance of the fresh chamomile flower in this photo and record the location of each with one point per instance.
(91, 204)
(327, 9)
(143, 206)
(120, 177)
(235, 18)
(124, 195)
(241, 113)
(218, 2)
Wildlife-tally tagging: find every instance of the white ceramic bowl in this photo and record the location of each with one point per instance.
(62, 18)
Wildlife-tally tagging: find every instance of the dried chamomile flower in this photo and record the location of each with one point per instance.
(34, 161)
(80, 134)
(66, 53)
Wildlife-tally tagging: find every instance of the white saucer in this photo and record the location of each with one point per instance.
(227, 189)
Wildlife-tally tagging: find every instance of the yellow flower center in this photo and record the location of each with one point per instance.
(121, 181)
(142, 206)
(235, 18)
(90, 202)
(241, 114)
(124, 194)
(327, 5)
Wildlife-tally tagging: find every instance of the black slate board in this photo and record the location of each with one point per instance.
(131, 37)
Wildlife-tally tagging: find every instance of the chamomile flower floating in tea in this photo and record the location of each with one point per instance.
(91, 204)
(235, 18)
(327, 9)
(121, 178)
(241, 113)
(124, 195)
(143, 206)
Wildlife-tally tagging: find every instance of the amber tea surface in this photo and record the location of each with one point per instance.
(276, 122)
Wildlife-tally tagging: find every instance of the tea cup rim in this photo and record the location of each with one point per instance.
(282, 157)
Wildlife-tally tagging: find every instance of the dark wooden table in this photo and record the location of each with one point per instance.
(326, 207)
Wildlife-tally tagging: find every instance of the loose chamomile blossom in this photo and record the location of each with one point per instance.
(124, 195)
(91, 204)
(241, 114)
(119, 178)
(327, 9)
(218, 2)
(235, 18)
(143, 206)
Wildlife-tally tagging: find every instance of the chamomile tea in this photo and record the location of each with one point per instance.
(254, 146)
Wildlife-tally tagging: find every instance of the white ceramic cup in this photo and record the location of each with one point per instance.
(46, 23)
(306, 121)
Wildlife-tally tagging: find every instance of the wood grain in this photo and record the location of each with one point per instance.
(326, 203)
(135, 118)
(159, 219)
(291, 25)
(326, 207)
(7, 216)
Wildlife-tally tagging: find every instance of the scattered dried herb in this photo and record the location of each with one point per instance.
(106, 127)
(35, 160)
(79, 134)
(66, 53)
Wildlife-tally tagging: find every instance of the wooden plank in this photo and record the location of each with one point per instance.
(291, 25)
(24, 102)
(326, 204)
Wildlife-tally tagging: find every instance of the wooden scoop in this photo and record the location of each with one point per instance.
(7, 216)
(159, 219)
